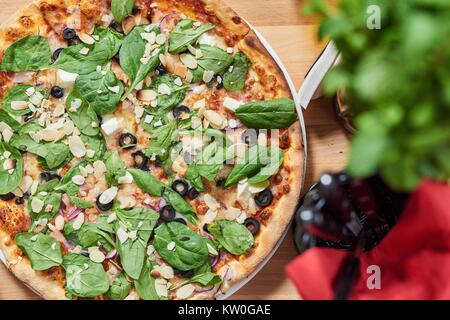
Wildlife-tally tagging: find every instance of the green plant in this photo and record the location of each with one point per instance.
(233, 236)
(396, 81)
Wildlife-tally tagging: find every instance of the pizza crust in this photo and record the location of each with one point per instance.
(247, 41)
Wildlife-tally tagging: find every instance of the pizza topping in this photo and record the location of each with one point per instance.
(180, 186)
(57, 92)
(69, 34)
(253, 225)
(110, 125)
(264, 199)
(167, 213)
(140, 160)
(127, 141)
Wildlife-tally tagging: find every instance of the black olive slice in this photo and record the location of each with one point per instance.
(28, 117)
(57, 92)
(167, 213)
(181, 186)
(180, 220)
(220, 183)
(264, 198)
(140, 160)
(104, 207)
(184, 274)
(161, 70)
(56, 54)
(7, 197)
(180, 110)
(48, 176)
(252, 225)
(193, 193)
(250, 137)
(69, 34)
(127, 141)
(22, 200)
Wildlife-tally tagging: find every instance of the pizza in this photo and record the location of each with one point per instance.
(149, 149)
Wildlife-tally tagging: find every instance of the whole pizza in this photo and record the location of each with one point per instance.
(149, 149)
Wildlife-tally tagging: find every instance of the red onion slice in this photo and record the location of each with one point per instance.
(75, 212)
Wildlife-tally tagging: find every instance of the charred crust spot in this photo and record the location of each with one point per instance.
(12, 219)
(26, 21)
(236, 20)
(251, 42)
(55, 273)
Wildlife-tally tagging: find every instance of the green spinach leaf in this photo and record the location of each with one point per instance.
(145, 285)
(10, 181)
(187, 249)
(84, 278)
(102, 51)
(120, 288)
(166, 102)
(10, 121)
(204, 279)
(51, 204)
(161, 141)
(233, 236)
(147, 182)
(184, 35)
(132, 51)
(84, 117)
(121, 9)
(272, 114)
(18, 93)
(272, 168)
(115, 168)
(43, 251)
(103, 92)
(80, 203)
(179, 204)
(234, 80)
(31, 53)
(213, 59)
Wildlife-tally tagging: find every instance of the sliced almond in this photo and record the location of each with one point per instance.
(231, 104)
(122, 235)
(164, 89)
(78, 180)
(59, 222)
(19, 105)
(108, 196)
(78, 222)
(37, 205)
(26, 183)
(9, 164)
(86, 38)
(208, 76)
(84, 51)
(185, 291)
(215, 119)
(150, 37)
(146, 95)
(77, 146)
(161, 39)
(189, 61)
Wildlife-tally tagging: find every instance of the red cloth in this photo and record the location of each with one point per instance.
(414, 258)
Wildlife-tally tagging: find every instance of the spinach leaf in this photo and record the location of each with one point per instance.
(120, 287)
(132, 251)
(204, 279)
(255, 158)
(84, 117)
(89, 235)
(31, 53)
(190, 250)
(233, 236)
(54, 153)
(184, 35)
(276, 160)
(10, 121)
(84, 278)
(99, 90)
(145, 285)
(147, 182)
(176, 96)
(71, 60)
(115, 168)
(121, 9)
(179, 204)
(80, 203)
(66, 185)
(234, 80)
(272, 114)
(159, 116)
(132, 51)
(213, 59)
(10, 182)
(43, 251)
(51, 204)
(18, 93)
(161, 141)
(96, 143)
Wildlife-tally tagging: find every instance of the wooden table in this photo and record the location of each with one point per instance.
(293, 37)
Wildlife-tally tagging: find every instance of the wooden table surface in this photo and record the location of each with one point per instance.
(293, 37)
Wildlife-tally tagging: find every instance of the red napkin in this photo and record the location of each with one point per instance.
(414, 258)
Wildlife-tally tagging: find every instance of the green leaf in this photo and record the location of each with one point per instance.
(98, 90)
(115, 168)
(121, 9)
(132, 51)
(190, 249)
(161, 141)
(271, 169)
(51, 200)
(234, 80)
(102, 51)
(120, 288)
(31, 53)
(204, 279)
(213, 59)
(80, 203)
(43, 251)
(147, 182)
(84, 278)
(84, 117)
(179, 204)
(177, 95)
(10, 121)
(132, 251)
(10, 181)
(184, 35)
(96, 143)
(90, 234)
(233, 236)
(272, 114)
(18, 93)
(145, 285)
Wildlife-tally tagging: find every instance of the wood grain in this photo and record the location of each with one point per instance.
(293, 37)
